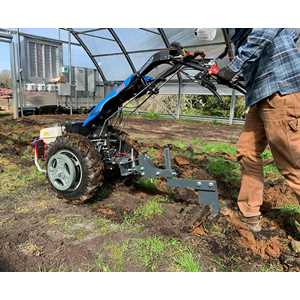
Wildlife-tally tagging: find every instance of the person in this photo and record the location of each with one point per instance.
(268, 60)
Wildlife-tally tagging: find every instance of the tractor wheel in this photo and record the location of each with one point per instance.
(74, 168)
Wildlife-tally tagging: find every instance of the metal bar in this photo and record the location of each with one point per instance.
(153, 50)
(19, 73)
(5, 36)
(115, 36)
(232, 107)
(228, 44)
(5, 40)
(46, 39)
(88, 52)
(164, 37)
(98, 37)
(70, 71)
(90, 30)
(148, 30)
(178, 104)
(15, 104)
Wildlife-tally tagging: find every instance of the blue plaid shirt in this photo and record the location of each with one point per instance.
(269, 62)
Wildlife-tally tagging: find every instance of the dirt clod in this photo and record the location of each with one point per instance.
(181, 161)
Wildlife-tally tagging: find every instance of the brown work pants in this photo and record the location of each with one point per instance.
(274, 121)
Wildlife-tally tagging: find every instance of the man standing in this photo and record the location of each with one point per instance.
(269, 62)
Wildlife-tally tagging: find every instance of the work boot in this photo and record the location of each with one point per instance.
(253, 223)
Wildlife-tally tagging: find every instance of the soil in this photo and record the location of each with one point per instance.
(39, 232)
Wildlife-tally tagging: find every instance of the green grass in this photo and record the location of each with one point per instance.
(147, 254)
(148, 210)
(218, 148)
(290, 209)
(117, 253)
(227, 170)
(186, 262)
(152, 152)
(15, 176)
(149, 250)
(151, 116)
(271, 267)
(147, 185)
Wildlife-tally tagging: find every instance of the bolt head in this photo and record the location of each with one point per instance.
(211, 184)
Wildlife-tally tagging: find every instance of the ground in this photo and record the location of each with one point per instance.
(141, 225)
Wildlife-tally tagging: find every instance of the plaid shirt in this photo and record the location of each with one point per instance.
(269, 62)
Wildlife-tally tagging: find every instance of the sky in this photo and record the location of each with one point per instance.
(4, 56)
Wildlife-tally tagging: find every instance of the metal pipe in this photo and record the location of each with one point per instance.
(70, 71)
(232, 107)
(115, 36)
(19, 73)
(15, 104)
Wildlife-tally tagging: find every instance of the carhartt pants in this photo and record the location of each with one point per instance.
(274, 121)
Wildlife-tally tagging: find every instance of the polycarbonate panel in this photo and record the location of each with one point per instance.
(135, 39)
(104, 33)
(186, 36)
(100, 46)
(44, 32)
(139, 59)
(114, 67)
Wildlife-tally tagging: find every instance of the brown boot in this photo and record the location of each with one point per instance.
(253, 223)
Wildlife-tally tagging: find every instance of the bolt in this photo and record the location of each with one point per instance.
(143, 173)
(199, 183)
(142, 168)
(211, 184)
(174, 173)
(157, 173)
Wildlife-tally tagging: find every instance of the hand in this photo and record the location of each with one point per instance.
(226, 74)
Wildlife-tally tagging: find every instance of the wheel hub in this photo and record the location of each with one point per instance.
(62, 170)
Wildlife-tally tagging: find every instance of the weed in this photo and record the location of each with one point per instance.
(271, 267)
(151, 116)
(147, 211)
(30, 249)
(227, 170)
(14, 177)
(290, 209)
(212, 147)
(152, 152)
(147, 184)
(149, 251)
(186, 262)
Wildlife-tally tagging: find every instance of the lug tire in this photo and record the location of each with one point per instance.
(91, 165)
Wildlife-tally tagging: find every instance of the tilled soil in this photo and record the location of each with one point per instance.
(39, 232)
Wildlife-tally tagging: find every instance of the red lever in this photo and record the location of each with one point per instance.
(214, 70)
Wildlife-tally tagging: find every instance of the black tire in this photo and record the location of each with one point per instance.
(91, 165)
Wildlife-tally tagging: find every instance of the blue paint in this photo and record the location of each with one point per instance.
(97, 110)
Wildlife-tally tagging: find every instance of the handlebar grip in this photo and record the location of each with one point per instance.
(214, 70)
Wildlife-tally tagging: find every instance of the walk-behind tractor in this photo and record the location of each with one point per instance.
(77, 154)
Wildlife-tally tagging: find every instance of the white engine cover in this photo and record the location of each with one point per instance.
(49, 135)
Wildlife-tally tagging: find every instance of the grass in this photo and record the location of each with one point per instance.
(147, 211)
(271, 267)
(117, 254)
(151, 116)
(227, 170)
(148, 185)
(152, 152)
(147, 254)
(30, 249)
(15, 177)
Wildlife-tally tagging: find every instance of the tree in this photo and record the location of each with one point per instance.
(5, 79)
